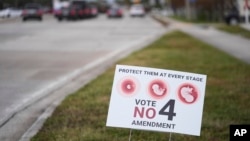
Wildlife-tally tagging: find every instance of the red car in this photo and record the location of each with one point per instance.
(69, 13)
(77, 9)
(93, 11)
(115, 12)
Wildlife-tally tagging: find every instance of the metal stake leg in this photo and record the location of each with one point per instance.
(170, 135)
(130, 134)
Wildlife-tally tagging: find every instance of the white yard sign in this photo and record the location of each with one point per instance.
(156, 99)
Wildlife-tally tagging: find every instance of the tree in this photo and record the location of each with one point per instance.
(209, 10)
(21, 3)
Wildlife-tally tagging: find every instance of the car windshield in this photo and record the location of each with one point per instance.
(79, 4)
(115, 6)
(137, 7)
(32, 6)
(12, 8)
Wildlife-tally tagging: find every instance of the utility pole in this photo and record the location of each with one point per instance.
(188, 10)
(16, 3)
(246, 9)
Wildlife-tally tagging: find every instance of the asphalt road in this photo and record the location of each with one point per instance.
(38, 58)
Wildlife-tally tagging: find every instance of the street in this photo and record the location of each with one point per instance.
(37, 58)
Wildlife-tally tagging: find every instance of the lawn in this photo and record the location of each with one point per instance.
(82, 115)
(237, 30)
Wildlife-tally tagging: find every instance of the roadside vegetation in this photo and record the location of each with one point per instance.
(184, 19)
(82, 115)
(237, 30)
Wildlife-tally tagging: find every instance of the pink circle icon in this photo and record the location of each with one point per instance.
(128, 86)
(188, 93)
(157, 89)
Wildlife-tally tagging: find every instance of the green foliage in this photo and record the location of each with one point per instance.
(235, 30)
(21, 3)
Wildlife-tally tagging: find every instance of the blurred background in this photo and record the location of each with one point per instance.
(46, 45)
(229, 11)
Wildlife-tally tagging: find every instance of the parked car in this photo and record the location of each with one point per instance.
(137, 10)
(115, 11)
(84, 9)
(10, 12)
(47, 10)
(69, 13)
(237, 12)
(93, 11)
(77, 9)
(32, 11)
(232, 16)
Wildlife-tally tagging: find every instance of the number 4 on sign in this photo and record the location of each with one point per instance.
(170, 106)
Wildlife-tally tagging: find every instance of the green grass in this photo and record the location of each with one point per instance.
(82, 115)
(181, 18)
(198, 20)
(237, 30)
(234, 30)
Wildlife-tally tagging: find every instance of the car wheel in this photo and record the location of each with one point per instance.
(60, 19)
(24, 19)
(233, 21)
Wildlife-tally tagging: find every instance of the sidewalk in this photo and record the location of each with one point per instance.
(232, 44)
(246, 26)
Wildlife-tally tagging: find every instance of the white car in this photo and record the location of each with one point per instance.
(137, 10)
(10, 12)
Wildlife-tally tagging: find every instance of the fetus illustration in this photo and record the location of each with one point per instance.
(158, 90)
(186, 93)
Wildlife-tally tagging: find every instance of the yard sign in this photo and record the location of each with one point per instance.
(157, 100)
